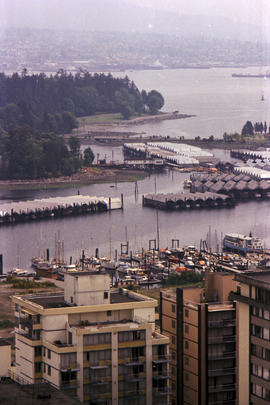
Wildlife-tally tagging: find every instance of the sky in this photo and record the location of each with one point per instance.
(80, 13)
(251, 11)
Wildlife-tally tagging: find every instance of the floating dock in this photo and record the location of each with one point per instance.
(182, 201)
(14, 212)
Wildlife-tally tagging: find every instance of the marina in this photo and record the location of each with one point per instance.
(188, 201)
(22, 211)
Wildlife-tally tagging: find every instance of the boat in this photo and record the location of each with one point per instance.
(242, 243)
(251, 75)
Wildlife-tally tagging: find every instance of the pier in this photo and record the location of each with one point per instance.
(182, 201)
(15, 212)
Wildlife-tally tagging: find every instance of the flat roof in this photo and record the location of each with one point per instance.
(256, 278)
(57, 300)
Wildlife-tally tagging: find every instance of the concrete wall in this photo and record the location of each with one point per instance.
(243, 336)
(54, 328)
(5, 359)
(24, 360)
(87, 289)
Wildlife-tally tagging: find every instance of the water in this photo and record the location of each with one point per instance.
(221, 104)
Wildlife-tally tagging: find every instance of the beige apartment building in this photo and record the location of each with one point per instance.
(99, 344)
(253, 337)
(201, 325)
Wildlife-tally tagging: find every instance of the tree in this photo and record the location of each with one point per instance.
(75, 145)
(247, 129)
(88, 157)
(155, 101)
(126, 111)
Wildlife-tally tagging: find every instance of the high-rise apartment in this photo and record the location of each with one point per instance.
(253, 337)
(200, 323)
(98, 343)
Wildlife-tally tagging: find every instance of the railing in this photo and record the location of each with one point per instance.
(134, 377)
(161, 358)
(157, 375)
(221, 339)
(134, 361)
(65, 385)
(222, 355)
(221, 371)
(221, 388)
(221, 323)
(161, 391)
(131, 394)
(100, 380)
(71, 367)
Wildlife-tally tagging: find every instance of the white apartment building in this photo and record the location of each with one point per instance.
(99, 344)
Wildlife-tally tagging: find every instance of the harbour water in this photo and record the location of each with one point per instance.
(221, 103)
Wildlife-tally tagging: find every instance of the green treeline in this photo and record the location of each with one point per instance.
(35, 109)
(51, 104)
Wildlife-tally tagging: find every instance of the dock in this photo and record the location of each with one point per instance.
(183, 201)
(55, 207)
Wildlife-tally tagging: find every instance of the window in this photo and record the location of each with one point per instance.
(173, 340)
(186, 377)
(49, 370)
(173, 386)
(186, 313)
(173, 355)
(87, 356)
(105, 295)
(186, 361)
(109, 313)
(44, 367)
(186, 329)
(173, 323)
(44, 351)
(173, 308)
(49, 354)
(71, 300)
(186, 344)
(173, 370)
(70, 338)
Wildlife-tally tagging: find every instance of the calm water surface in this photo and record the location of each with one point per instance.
(221, 104)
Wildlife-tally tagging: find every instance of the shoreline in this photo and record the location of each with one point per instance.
(78, 179)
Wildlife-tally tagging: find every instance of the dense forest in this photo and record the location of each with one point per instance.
(53, 103)
(35, 109)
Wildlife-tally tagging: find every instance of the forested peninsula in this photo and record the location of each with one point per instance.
(36, 109)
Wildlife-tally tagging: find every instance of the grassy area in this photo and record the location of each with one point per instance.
(27, 284)
(99, 119)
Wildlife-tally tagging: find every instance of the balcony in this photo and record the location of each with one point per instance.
(132, 394)
(222, 323)
(221, 371)
(223, 402)
(72, 367)
(135, 361)
(69, 385)
(160, 375)
(158, 359)
(221, 356)
(161, 392)
(221, 339)
(221, 388)
(135, 377)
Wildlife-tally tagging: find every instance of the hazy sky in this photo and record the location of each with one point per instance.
(53, 13)
(252, 11)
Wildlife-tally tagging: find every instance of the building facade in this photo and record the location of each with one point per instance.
(253, 337)
(200, 323)
(99, 344)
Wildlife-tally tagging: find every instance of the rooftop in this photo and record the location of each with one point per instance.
(56, 300)
(256, 278)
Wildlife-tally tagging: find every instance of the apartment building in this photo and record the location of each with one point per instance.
(98, 343)
(200, 323)
(253, 337)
